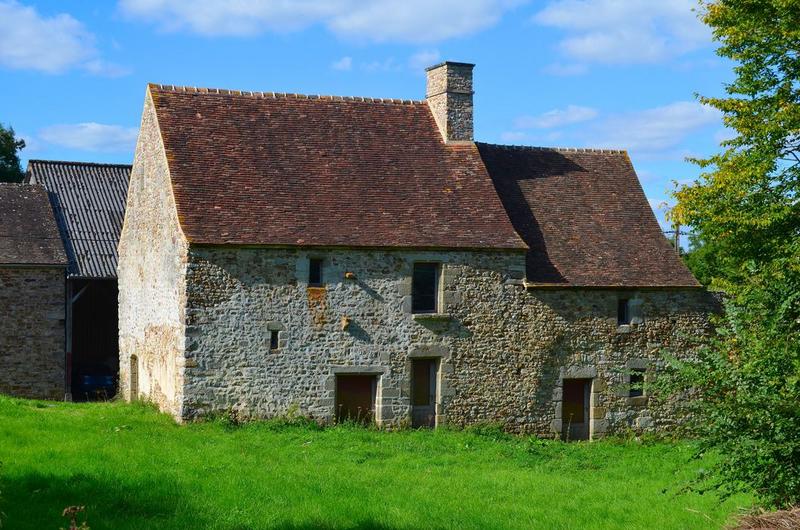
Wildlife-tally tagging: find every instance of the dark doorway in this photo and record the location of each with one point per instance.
(134, 382)
(423, 392)
(575, 409)
(355, 398)
(93, 339)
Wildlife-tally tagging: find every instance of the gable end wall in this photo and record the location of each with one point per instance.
(152, 270)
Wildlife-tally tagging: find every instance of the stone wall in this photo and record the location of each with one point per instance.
(152, 265)
(32, 338)
(503, 349)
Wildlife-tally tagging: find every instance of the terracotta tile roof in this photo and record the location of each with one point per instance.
(285, 169)
(585, 218)
(28, 232)
(89, 204)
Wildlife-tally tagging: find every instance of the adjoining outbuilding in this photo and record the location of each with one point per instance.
(32, 272)
(88, 201)
(360, 258)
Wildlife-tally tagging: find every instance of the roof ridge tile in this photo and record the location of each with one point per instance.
(281, 95)
(556, 149)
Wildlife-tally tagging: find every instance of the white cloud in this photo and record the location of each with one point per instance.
(344, 64)
(48, 44)
(655, 130)
(556, 118)
(91, 137)
(625, 31)
(373, 20)
(29, 41)
(423, 59)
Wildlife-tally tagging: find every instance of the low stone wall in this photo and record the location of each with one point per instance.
(503, 350)
(32, 339)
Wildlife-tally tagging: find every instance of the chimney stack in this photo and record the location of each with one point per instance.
(449, 94)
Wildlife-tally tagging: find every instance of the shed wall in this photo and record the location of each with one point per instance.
(32, 332)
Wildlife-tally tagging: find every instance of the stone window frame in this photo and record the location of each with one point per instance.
(316, 259)
(274, 326)
(634, 309)
(645, 366)
(439, 309)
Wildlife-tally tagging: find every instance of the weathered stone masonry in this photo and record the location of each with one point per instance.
(32, 341)
(504, 349)
(152, 264)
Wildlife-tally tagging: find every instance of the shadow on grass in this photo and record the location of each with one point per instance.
(36, 501)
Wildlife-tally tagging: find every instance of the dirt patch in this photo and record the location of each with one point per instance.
(780, 520)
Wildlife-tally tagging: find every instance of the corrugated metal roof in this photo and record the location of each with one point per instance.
(89, 203)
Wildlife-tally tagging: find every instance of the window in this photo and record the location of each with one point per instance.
(315, 272)
(637, 383)
(273, 339)
(623, 312)
(425, 288)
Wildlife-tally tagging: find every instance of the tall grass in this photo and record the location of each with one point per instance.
(135, 469)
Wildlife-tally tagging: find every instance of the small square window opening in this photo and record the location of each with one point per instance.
(273, 340)
(623, 312)
(637, 383)
(425, 288)
(315, 272)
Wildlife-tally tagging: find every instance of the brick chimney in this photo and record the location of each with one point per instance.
(449, 94)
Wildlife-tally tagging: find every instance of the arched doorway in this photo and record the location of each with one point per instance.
(134, 378)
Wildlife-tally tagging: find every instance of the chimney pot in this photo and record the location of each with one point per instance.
(449, 95)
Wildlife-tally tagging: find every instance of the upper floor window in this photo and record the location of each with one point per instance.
(425, 288)
(623, 311)
(315, 272)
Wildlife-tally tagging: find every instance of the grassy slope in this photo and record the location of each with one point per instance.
(134, 468)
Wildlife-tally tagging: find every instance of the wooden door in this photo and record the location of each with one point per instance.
(423, 392)
(355, 398)
(575, 409)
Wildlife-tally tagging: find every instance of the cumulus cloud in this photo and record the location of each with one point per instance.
(373, 20)
(91, 136)
(656, 130)
(30, 41)
(625, 31)
(344, 64)
(556, 118)
(53, 44)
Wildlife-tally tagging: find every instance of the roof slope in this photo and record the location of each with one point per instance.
(28, 232)
(585, 218)
(89, 204)
(278, 169)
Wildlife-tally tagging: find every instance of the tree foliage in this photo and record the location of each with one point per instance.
(744, 212)
(10, 145)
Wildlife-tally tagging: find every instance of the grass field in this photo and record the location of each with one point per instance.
(134, 468)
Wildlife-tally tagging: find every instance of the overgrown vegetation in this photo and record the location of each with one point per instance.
(744, 212)
(133, 468)
(10, 145)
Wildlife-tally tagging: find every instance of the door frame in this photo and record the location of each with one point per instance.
(434, 381)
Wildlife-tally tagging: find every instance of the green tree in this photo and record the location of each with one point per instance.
(10, 169)
(744, 212)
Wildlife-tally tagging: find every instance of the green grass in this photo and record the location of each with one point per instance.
(134, 468)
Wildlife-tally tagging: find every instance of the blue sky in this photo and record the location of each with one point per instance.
(568, 73)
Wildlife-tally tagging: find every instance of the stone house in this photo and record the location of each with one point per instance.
(365, 258)
(32, 265)
(88, 201)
